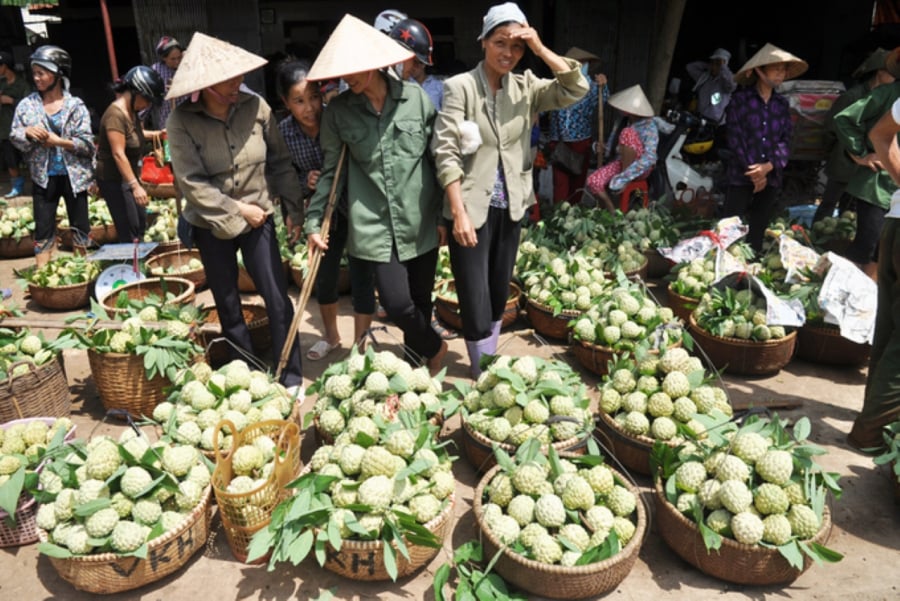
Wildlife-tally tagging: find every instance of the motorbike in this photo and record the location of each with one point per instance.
(676, 178)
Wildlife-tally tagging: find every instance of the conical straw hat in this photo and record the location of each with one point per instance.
(208, 61)
(356, 46)
(580, 54)
(768, 55)
(632, 101)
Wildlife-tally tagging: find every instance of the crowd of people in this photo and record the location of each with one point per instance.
(397, 163)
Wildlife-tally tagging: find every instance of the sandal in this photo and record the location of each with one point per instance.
(320, 349)
(444, 333)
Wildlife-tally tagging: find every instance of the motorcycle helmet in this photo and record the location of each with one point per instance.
(146, 82)
(700, 147)
(53, 59)
(386, 20)
(412, 34)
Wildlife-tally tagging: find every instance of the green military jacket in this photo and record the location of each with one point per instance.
(243, 158)
(852, 126)
(393, 197)
(839, 166)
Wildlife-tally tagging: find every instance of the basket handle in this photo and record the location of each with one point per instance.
(226, 455)
(290, 430)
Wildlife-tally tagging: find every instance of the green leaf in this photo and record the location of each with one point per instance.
(51, 550)
(441, 577)
(823, 553)
(91, 507)
(11, 490)
(300, 547)
(792, 553)
(390, 561)
(470, 551)
(260, 544)
(802, 429)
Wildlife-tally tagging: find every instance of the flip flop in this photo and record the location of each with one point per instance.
(320, 350)
(444, 333)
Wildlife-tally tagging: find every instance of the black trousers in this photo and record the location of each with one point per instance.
(404, 289)
(869, 223)
(362, 274)
(259, 248)
(129, 218)
(482, 273)
(755, 209)
(44, 202)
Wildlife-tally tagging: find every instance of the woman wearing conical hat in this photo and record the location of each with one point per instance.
(636, 150)
(393, 197)
(759, 134)
(231, 163)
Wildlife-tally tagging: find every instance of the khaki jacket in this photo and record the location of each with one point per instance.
(243, 159)
(507, 139)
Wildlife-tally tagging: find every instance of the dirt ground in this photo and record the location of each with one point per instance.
(866, 520)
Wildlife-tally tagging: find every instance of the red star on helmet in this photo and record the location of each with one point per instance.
(406, 35)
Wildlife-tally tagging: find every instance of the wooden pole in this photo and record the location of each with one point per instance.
(601, 137)
(664, 47)
(315, 259)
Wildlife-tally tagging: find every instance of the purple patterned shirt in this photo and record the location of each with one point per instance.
(758, 132)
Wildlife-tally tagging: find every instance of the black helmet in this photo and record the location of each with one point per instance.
(386, 19)
(146, 82)
(414, 35)
(54, 59)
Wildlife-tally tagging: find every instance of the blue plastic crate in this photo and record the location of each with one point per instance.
(803, 214)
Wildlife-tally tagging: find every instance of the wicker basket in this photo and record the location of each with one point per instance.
(545, 323)
(62, 298)
(297, 276)
(25, 530)
(162, 248)
(257, 322)
(479, 449)
(733, 562)
(245, 282)
(107, 573)
(123, 384)
(824, 344)
(447, 307)
(243, 514)
(12, 249)
(682, 306)
(747, 357)
(555, 581)
(364, 560)
(137, 291)
(595, 358)
(631, 451)
(177, 259)
(42, 392)
(159, 190)
(100, 234)
(657, 265)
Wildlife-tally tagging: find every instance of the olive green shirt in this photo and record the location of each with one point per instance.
(16, 90)
(840, 167)
(852, 126)
(243, 158)
(393, 197)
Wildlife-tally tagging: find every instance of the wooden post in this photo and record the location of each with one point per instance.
(661, 56)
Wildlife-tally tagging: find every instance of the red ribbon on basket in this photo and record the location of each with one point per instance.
(712, 236)
(799, 228)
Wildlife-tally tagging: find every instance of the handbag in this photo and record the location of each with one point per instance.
(566, 159)
(154, 167)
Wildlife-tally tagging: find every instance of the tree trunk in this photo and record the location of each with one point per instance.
(661, 56)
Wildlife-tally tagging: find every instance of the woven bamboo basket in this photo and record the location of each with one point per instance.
(245, 282)
(159, 190)
(631, 451)
(107, 573)
(25, 530)
(824, 344)
(657, 265)
(12, 249)
(545, 323)
(137, 291)
(733, 562)
(243, 514)
(42, 392)
(555, 581)
(447, 307)
(166, 247)
(123, 384)
(747, 357)
(364, 560)
(595, 358)
(177, 259)
(297, 276)
(100, 234)
(479, 448)
(634, 274)
(257, 320)
(682, 306)
(62, 298)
